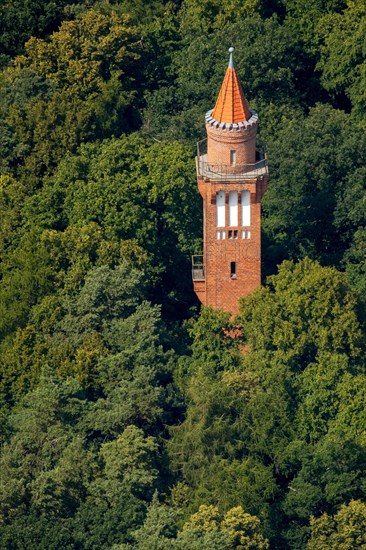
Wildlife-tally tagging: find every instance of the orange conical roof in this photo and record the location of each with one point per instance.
(231, 105)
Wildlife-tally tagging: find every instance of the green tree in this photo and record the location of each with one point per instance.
(12, 196)
(304, 310)
(344, 531)
(39, 464)
(203, 17)
(27, 275)
(128, 462)
(207, 528)
(21, 20)
(109, 339)
(75, 77)
(342, 60)
(117, 495)
(324, 158)
(304, 20)
(210, 448)
(136, 191)
(159, 529)
(306, 346)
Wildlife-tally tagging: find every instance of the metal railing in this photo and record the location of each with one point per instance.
(198, 268)
(201, 147)
(225, 172)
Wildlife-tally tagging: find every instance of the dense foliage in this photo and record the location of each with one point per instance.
(129, 419)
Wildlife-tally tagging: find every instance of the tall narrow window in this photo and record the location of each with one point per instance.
(232, 157)
(245, 208)
(233, 270)
(220, 209)
(233, 208)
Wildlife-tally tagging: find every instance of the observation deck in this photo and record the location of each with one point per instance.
(225, 172)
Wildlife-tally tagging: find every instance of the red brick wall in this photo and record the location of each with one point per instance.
(220, 290)
(221, 142)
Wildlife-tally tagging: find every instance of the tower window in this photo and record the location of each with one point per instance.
(233, 270)
(245, 208)
(232, 157)
(220, 209)
(233, 208)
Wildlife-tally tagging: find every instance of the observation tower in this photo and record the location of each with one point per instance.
(232, 178)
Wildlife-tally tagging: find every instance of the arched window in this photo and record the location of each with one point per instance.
(233, 208)
(220, 209)
(245, 208)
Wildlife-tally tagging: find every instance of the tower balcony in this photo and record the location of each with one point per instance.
(229, 172)
(198, 268)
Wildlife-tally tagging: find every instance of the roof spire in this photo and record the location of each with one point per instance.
(231, 61)
(231, 105)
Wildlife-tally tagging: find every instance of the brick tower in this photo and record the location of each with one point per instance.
(232, 178)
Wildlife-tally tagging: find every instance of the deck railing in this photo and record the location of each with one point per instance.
(225, 172)
(198, 268)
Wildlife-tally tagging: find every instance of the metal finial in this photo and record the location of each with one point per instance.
(231, 62)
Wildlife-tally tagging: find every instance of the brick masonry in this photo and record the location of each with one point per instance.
(219, 289)
(221, 142)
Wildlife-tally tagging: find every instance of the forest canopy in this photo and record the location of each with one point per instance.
(130, 417)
